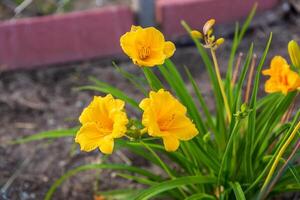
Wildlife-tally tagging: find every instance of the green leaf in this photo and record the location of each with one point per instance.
(251, 133)
(200, 196)
(238, 191)
(227, 156)
(137, 179)
(152, 79)
(119, 194)
(136, 81)
(108, 89)
(47, 135)
(172, 184)
(201, 100)
(238, 36)
(82, 168)
(241, 80)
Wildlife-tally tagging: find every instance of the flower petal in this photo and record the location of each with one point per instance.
(135, 28)
(127, 42)
(89, 137)
(271, 86)
(171, 143)
(151, 37)
(182, 128)
(169, 49)
(120, 122)
(107, 146)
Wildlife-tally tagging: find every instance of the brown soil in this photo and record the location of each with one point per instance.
(45, 99)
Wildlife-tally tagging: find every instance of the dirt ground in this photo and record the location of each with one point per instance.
(45, 99)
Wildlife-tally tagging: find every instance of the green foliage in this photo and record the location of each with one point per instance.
(234, 159)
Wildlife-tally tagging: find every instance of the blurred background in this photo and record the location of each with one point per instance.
(48, 48)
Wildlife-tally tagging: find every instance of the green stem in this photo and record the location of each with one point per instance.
(221, 85)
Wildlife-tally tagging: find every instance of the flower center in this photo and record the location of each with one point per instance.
(284, 80)
(165, 124)
(144, 52)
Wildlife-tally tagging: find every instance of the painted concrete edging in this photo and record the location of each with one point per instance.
(31, 42)
(41, 41)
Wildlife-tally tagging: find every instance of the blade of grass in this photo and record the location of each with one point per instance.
(200, 196)
(238, 191)
(238, 36)
(152, 79)
(82, 168)
(47, 135)
(201, 100)
(136, 81)
(172, 184)
(115, 92)
(241, 80)
(252, 117)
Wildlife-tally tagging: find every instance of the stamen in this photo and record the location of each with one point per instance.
(144, 52)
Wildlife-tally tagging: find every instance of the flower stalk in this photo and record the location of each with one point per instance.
(221, 85)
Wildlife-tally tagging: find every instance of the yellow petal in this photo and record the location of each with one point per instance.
(155, 58)
(149, 118)
(107, 146)
(135, 28)
(266, 72)
(153, 37)
(183, 128)
(278, 63)
(89, 114)
(89, 137)
(164, 103)
(169, 49)
(171, 143)
(127, 42)
(120, 122)
(97, 111)
(271, 86)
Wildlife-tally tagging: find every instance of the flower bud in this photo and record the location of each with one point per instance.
(294, 52)
(208, 25)
(196, 34)
(220, 41)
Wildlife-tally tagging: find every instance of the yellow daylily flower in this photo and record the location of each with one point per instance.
(165, 117)
(294, 52)
(282, 78)
(102, 121)
(146, 46)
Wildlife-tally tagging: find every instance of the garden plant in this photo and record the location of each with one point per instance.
(245, 148)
